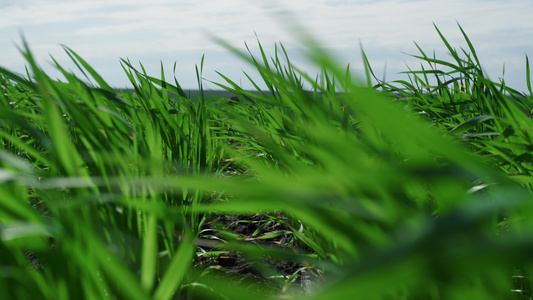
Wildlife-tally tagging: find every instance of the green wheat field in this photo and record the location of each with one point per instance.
(318, 186)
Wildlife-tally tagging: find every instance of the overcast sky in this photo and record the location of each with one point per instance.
(102, 31)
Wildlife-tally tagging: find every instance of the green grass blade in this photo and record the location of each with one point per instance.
(149, 253)
(528, 77)
(176, 271)
(76, 58)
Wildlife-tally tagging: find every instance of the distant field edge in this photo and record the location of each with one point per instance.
(196, 93)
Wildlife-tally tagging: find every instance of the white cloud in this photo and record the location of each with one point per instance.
(103, 30)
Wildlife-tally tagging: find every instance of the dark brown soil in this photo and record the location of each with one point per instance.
(271, 275)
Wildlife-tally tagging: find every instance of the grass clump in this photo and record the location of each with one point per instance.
(421, 190)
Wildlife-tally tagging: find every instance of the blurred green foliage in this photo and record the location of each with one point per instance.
(417, 189)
